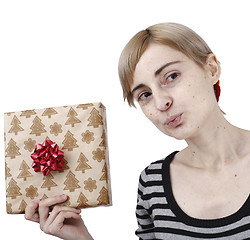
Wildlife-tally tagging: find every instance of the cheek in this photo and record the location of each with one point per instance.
(150, 114)
(197, 93)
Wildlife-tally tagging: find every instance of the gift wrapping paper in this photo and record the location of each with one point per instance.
(80, 131)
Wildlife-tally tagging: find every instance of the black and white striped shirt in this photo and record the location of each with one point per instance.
(160, 217)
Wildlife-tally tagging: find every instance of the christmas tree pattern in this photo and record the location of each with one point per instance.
(8, 207)
(91, 138)
(12, 150)
(72, 117)
(22, 206)
(37, 127)
(48, 112)
(69, 141)
(7, 171)
(71, 182)
(65, 165)
(13, 190)
(24, 171)
(48, 183)
(31, 192)
(9, 113)
(82, 166)
(102, 106)
(66, 203)
(28, 113)
(104, 176)
(47, 138)
(85, 106)
(15, 125)
(95, 118)
(82, 200)
(103, 142)
(103, 197)
(44, 197)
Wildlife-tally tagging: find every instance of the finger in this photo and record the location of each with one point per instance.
(62, 216)
(44, 207)
(57, 209)
(58, 223)
(31, 211)
(57, 226)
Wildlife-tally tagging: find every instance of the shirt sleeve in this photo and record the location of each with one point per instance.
(145, 223)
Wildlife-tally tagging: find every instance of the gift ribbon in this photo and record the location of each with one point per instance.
(47, 157)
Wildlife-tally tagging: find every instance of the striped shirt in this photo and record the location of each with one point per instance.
(160, 217)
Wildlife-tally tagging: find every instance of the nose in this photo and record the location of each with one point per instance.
(163, 101)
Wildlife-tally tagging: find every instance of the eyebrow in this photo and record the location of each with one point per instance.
(137, 87)
(157, 72)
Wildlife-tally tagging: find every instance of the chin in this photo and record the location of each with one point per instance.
(179, 132)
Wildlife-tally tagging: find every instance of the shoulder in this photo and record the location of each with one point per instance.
(152, 174)
(150, 180)
(153, 169)
(156, 167)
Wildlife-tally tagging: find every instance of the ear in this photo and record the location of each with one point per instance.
(213, 68)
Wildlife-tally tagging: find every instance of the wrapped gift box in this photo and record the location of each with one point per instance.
(80, 132)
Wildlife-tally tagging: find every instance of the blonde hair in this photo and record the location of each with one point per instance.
(174, 35)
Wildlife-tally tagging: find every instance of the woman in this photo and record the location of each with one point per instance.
(201, 192)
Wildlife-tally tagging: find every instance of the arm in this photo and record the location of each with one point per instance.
(145, 222)
(63, 222)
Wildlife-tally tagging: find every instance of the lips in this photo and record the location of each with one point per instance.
(174, 120)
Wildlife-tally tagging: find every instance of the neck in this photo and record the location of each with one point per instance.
(216, 144)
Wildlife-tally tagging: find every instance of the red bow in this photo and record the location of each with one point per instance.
(47, 157)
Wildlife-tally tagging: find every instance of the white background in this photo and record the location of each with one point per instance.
(55, 53)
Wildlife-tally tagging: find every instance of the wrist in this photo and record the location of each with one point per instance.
(87, 236)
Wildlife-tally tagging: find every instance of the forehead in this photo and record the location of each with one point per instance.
(155, 56)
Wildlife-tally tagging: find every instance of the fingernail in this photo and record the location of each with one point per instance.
(36, 201)
(64, 196)
(78, 210)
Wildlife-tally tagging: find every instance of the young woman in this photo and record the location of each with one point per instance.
(201, 192)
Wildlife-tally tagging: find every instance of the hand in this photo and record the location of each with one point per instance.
(63, 222)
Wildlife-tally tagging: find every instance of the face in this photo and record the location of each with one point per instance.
(173, 91)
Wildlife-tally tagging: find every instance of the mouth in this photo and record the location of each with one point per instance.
(174, 120)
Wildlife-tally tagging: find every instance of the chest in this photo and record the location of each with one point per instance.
(206, 195)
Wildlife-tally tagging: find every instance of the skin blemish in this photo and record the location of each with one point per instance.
(193, 96)
(235, 175)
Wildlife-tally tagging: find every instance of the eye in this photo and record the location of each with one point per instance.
(143, 96)
(171, 77)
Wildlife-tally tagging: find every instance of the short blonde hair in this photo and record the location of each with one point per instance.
(174, 35)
